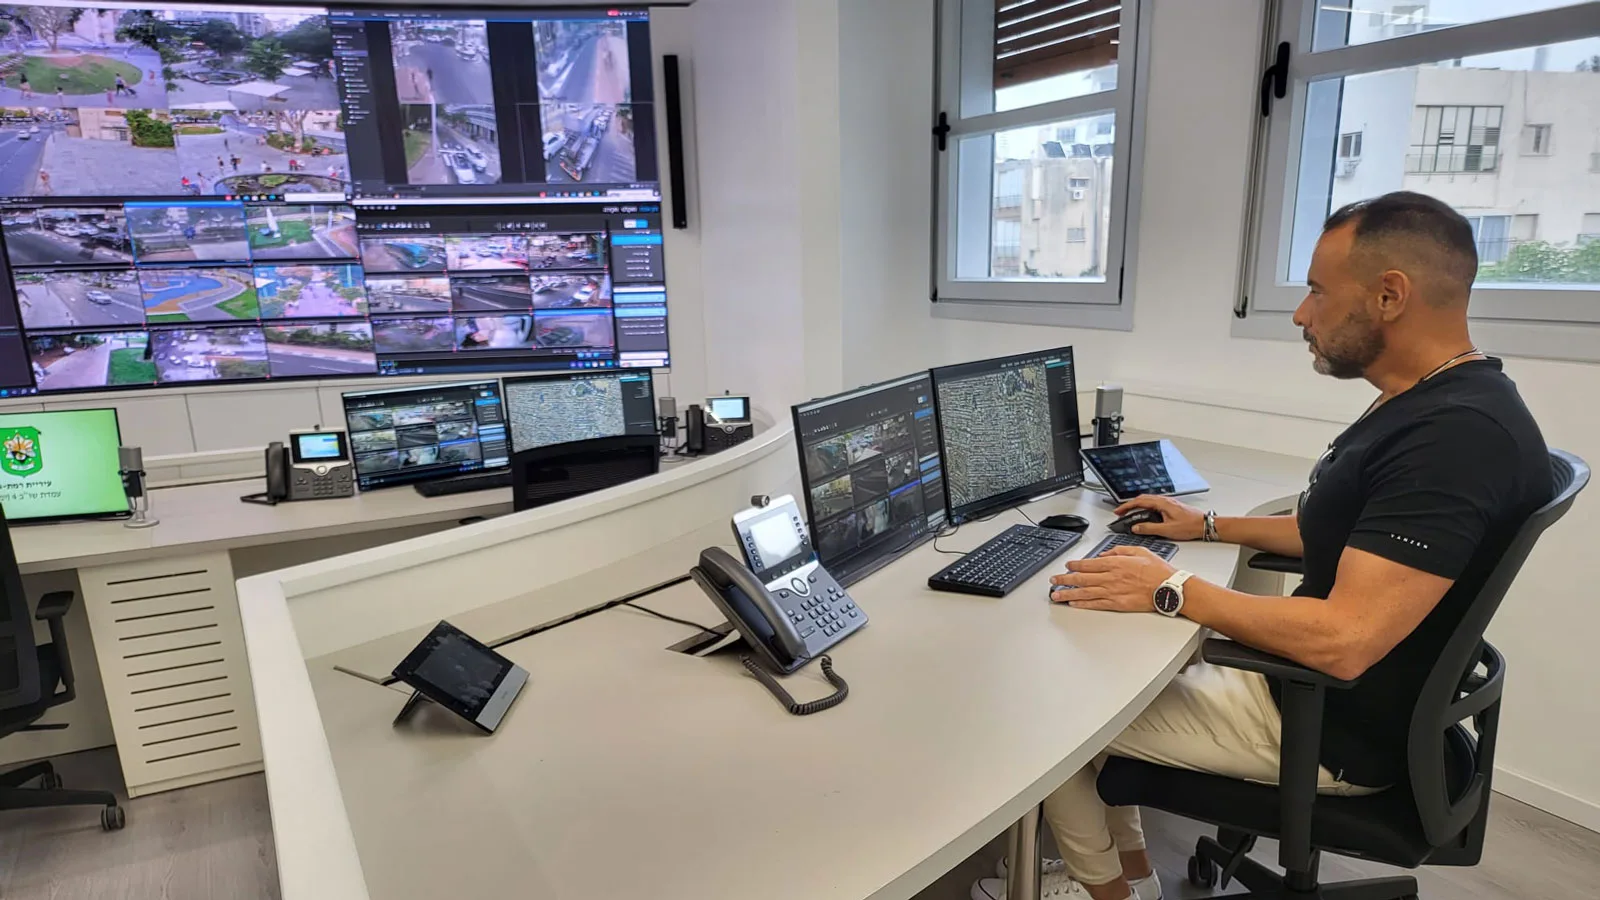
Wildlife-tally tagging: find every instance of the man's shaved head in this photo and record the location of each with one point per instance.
(1415, 234)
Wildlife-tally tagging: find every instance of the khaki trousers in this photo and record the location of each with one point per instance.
(1209, 719)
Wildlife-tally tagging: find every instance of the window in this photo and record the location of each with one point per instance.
(1455, 139)
(1034, 193)
(1433, 110)
(1589, 232)
(1536, 140)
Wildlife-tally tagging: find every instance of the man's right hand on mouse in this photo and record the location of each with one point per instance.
(1180, 521)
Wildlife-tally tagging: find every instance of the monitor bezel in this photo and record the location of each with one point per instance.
(1025, 494)
(76, 517)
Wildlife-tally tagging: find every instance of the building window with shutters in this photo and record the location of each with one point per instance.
(1455, 139)
(1037, 95)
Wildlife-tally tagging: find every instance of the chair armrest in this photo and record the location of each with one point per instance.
(1272, 562)
(1234, 655)
(54, 605)
(53, 608)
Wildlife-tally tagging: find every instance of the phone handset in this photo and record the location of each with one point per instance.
(277, 466)
(745, 600)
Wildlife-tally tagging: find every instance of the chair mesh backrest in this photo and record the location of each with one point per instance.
(19, 664)
(1429, 760)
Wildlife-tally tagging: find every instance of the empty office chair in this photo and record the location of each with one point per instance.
(29, 678)
(1438, 818)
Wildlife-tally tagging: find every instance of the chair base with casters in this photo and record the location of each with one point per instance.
(51, 793)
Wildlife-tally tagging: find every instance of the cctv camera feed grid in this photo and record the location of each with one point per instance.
(413, 102)
(1008, 429)
(871, 465)
(119, 125)
(425, 433)
(555, 410)
(144, 294)
(478, 103)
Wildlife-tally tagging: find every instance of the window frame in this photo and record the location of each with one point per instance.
(964, 74)
(1527, 320)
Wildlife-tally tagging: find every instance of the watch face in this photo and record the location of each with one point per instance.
(1168, 599)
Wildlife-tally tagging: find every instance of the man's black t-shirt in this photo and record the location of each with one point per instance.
(1439, 479)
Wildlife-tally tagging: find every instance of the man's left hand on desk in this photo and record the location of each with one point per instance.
(1123, 579)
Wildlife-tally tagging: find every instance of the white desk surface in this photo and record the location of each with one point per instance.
(626, 770)
(205, 517)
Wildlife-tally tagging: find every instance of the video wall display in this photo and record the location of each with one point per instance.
(242, 101)
(213, 168)
(464, 103)
(154, 293)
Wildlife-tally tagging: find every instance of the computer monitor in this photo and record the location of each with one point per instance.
(1008, 429)
(873, 476)
(579, 407)
(427, 432)
(61, 465)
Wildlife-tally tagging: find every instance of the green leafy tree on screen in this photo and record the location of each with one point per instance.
(267, 59)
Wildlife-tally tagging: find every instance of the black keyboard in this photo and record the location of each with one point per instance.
(1001, 563)
(1164, 549)
(464, 484)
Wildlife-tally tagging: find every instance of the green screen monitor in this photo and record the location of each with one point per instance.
(61, 465)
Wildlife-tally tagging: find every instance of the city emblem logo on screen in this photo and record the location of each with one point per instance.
(23, 455)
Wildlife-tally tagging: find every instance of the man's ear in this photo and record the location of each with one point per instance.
(1394, 293)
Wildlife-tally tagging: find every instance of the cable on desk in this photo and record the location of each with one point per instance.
(661, 615)
(1028, 517)
(947, 532)
(784, 698)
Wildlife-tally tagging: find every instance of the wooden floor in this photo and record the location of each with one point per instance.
(1529, 855)
(214, 842)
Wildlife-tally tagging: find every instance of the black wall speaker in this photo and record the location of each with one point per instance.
(677, 180)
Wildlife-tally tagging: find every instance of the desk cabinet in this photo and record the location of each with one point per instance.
(172, 658)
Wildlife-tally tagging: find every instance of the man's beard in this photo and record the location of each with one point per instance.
(1349, 351)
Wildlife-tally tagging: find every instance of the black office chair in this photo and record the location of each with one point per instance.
(1439, 818)
(29, 678)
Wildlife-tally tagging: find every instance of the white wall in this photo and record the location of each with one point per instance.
(1185, 373)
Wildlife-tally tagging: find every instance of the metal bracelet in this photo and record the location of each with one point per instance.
(1210, 533)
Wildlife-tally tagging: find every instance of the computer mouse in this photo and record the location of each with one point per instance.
(1065, 523)
(1125, 524)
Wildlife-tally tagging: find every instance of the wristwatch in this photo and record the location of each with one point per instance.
(1169, 596)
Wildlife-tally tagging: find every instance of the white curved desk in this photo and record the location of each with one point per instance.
(964, 711)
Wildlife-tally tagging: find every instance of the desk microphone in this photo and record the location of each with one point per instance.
(1108, 415)
(131, 463)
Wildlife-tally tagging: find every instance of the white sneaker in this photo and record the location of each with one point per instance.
(1055, 886)
(1148, 888)
(1046, 867)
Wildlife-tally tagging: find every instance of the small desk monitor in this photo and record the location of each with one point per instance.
(1008, 428)
(62, 465)
(582, 406)
(427, 432)
(873, 476)
(1150, 467)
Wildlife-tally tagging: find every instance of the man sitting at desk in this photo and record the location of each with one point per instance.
(1406, 514)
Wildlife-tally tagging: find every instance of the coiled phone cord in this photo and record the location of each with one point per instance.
(841, 689)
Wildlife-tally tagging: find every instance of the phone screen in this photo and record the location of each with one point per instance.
(775, 540)
(319, 446)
